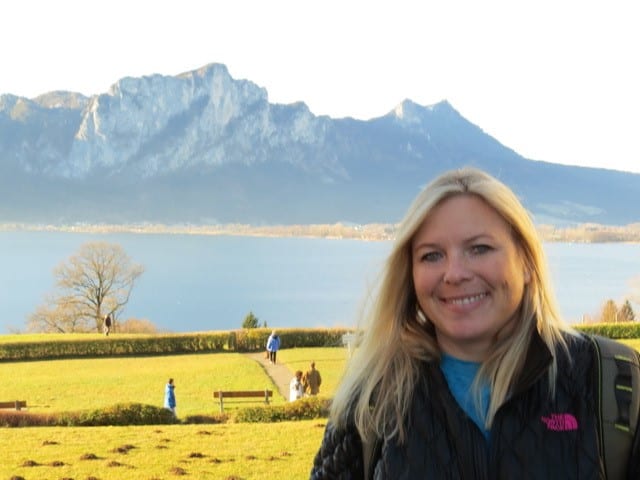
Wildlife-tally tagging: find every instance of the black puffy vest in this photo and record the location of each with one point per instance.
(534, 436)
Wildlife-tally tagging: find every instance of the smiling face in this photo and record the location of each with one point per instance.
(468, 274)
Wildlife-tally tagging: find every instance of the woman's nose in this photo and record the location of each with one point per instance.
(456, 269)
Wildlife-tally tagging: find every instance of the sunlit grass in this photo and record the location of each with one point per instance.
(69, 337)
(69, 385)
(80, 384)
(330, 362)
(282, 450)
(64, 337)
(635, 343)
(248, 451)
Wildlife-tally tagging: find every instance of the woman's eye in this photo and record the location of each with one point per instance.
(431, 257)
(480, 249)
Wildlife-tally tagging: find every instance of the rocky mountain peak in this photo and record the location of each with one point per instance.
(202, 145)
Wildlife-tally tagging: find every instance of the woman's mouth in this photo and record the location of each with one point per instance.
(465, 300)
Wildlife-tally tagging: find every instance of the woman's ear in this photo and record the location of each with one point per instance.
(527, 275)
(526, 268)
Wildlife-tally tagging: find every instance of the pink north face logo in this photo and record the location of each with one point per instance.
(560, 422)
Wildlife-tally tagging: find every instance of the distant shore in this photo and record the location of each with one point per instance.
(586, 233)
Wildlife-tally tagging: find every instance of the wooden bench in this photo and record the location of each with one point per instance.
(221, 395)
(17, 404)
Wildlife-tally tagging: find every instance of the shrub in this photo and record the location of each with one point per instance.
(260, 415)
(127, 414)
(304, 409)
(26, 419)
(139, 414)
(120, 414)
(232, 341)
(307, 408)
(197, 419)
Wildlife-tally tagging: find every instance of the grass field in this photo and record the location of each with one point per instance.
(241, 451)
(66, 337)
(330, 362)
(635, 343)
(82, 384)
(226, 451)
(229, 451)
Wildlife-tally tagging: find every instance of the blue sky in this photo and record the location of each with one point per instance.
(553, 80)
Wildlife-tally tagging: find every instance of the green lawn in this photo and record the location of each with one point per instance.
(80, 384)
(635, 343)
(244, 451)
(240, 451)
(330, 362)
(65, 337)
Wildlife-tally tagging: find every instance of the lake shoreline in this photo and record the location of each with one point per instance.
(583, 233)
(211, 282)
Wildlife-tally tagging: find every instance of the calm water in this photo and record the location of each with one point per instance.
(194, 283)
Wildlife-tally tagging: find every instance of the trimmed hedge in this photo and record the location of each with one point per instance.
(626, 330)
(306, 408)
(245, 340)
(127, 414)
(120, 414)
(139, 414)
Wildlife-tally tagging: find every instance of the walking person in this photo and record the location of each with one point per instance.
(106, 328)
(170, 396)
(296, 388)
(312, 380)
(273, 345)
(465, 369)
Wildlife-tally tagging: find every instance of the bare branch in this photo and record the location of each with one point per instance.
(98, 279)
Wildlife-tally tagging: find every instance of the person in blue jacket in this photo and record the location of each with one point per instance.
(170, 396)
(273, 345)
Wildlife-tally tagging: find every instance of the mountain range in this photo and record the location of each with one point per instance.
(205, 148)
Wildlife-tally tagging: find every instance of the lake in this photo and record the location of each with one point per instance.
(200, 282)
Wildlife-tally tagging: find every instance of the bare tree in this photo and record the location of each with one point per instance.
(137, 325)
(609, 312)
(92, 283)
(57, 315)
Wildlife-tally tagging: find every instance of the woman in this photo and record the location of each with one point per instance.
(465, 369)
(296, 388)
(170, 396)
(273, 345)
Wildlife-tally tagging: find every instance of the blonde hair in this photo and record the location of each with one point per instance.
(381, 376)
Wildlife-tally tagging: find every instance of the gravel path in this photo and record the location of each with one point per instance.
(280, 374)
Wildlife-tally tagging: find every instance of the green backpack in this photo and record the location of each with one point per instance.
(618, 382)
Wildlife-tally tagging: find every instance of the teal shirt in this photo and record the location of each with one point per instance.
(460, 375)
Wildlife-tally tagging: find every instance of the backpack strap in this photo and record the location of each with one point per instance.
(618, 395)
